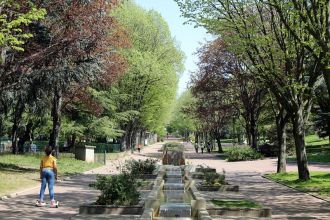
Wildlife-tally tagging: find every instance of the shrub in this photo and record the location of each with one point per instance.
(138, 167)
(268, 150)
(117, 190)
(214, 178)
(173, 146)
(242, 154)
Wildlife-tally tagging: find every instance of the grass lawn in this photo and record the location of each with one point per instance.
(236, 203)
(318, 149)
(314, 140)
(18, 172)
(319, 182)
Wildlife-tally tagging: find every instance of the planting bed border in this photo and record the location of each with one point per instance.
(205, 170)
(93, 209)
(221, 188)
(264, 212)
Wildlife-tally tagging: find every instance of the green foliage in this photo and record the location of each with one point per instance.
(103, 127)
(12, 22)
(180, 121)
(315, 140)
(213, 179)
(173, 146)
(118, 189)
(140, 167)
(319, 182)
(236, 203)
(154, 63)
(242, 154)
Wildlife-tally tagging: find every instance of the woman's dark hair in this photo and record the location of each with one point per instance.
(48, 150)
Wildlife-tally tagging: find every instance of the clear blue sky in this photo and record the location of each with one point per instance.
(188, 37)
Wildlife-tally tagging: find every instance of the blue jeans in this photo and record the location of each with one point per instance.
(48, 176)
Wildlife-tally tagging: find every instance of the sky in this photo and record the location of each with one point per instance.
(188, 37)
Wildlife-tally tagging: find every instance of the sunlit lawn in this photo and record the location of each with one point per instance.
(18, 172)
(319, 182)
(314, 140)
(318, 149)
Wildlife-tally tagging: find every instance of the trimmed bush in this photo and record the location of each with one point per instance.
(173, 146)
(242, 154)
(117, 189)
(214, 179)
(268, 150)
(140, 167)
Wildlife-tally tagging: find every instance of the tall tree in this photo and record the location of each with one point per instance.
(154, 63)
(74, 46)
(283, 64)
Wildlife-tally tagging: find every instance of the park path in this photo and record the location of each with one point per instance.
(70, 193)
(285, 202)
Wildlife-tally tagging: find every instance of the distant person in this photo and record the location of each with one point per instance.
(208, 147)
(33, 148)
(196, 148)
(48, 175)
(139, 147)
(202, 148)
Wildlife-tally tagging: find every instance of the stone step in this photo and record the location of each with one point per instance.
(174, 196)
(175, 210)
(174, 218)
(173, 174)
(173, 180)
(174, 186)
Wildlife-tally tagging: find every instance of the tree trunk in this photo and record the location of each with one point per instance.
(14, 138)
(56, 115)
(18, 111)
(196, 137)
(72, 142)
(123, 142)
(281, 142)
(26, 136)
(220, 150)
(254, 133)
(299, 138)
(326, 76)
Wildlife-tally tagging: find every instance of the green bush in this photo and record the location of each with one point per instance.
(173, 146)
(138, 167)
(117, 189)
(214, 178)
(242, 154)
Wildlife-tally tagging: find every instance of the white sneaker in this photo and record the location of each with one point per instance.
(40, 203)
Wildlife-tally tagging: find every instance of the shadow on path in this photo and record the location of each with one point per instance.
(69, 193)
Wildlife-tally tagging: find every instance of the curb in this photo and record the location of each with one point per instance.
(280, 183)
(65, 178)
(15, 194)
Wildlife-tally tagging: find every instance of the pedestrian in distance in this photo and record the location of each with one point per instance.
(196, 148)
(139, 148)
(208, 147)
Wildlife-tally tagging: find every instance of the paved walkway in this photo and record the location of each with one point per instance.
(285, 202)
(70, 193)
